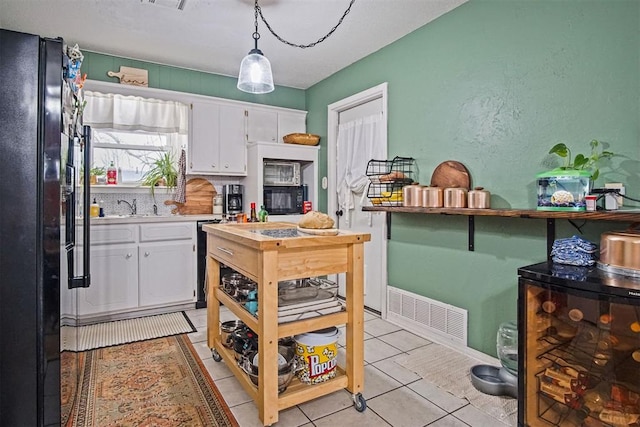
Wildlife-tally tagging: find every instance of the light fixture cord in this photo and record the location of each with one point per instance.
(256, 34)
(301, 46)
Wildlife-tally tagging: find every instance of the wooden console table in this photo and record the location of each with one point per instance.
(263, 253)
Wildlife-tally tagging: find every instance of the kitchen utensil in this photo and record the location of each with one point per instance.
(412, 195)
(287, 365)
(432, 197)
(479, 198)
(227, 329)
(620, 251)
(200, 192)
(455, 198)
(451, 174)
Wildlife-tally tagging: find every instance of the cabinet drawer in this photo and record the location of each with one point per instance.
(175, 231)
(233, 254)
(120, 233)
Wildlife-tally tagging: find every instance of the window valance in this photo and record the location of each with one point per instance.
(135, 113)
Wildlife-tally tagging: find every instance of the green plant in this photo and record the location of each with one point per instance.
(97, 171)
(581, 161)
(161, 169)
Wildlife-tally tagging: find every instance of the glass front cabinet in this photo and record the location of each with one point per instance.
(578, 347)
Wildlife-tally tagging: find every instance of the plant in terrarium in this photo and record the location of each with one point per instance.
(581, 161)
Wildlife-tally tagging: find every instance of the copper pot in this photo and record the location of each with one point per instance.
(455, 198)
(432, 197)
(479, 198)
(412, 195)
(621, 250)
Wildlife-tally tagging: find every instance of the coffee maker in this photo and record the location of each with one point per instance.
(232, 199)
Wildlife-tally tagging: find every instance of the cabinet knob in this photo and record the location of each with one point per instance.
(147, 254)
(226, 166)
(128, 256)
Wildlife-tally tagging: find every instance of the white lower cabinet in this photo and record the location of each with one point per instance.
(165, 272)
(114, 280)
(134, 267)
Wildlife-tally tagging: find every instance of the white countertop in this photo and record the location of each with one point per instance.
(127, 219)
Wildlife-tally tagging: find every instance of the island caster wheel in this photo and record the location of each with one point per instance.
(359, 402)
(216, 355)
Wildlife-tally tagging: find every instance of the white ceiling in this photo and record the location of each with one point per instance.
(214, 35)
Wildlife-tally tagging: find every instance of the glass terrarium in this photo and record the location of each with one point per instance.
(563, 190)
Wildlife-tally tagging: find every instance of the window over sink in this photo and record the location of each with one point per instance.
(132, 132)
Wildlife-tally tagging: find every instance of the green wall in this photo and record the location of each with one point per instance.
(167, 77)
(495, 84)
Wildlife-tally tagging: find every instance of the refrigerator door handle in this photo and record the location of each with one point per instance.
(84, 280)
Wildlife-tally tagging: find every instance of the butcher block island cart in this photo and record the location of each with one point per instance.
(276, 251)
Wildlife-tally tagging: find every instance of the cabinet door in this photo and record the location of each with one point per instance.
(204, 142)
(233, 148)
(262, 126)
(167, 272)
(114, 280)
(291, 123)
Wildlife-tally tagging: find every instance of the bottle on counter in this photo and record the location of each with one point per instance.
(94, 209)
(253, 217)
(112, 174)
(593, 401)
(263, 215)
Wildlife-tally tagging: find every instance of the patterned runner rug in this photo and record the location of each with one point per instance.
(106, 334)
(159, 382)
(449, 370)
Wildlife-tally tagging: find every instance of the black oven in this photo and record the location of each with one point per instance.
(284, 200)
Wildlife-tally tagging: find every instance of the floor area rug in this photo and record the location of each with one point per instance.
(159, 382)
(106, 334)
(449, 370)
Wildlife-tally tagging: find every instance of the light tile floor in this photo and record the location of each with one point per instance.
(394, 395)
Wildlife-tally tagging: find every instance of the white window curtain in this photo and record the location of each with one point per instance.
(134, 113)
(358, 142)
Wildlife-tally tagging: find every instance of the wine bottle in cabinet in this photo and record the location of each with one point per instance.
(579, 347)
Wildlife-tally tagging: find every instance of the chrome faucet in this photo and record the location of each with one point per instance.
(132, 206)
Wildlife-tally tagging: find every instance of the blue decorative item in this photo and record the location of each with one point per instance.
(574, 251)
(252, 302)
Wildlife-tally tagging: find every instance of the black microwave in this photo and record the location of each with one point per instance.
(284, 200)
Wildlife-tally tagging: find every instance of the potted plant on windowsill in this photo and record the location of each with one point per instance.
(162, 172)
(94, 173)
(565, 188)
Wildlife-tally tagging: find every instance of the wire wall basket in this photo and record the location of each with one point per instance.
(387, 177)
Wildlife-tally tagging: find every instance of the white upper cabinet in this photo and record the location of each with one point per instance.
(270, 125)
(217, 145)
(262, 125)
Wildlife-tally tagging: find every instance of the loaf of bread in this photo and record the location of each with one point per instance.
(392, 176)
(317, 220)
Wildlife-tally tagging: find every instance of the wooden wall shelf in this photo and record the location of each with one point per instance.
(621, 215)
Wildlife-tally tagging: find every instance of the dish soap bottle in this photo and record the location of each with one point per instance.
(112, 174)
(263, 215)
(94, 209)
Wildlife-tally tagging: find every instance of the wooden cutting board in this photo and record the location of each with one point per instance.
(199, 198)
(320, 231)
(451, 174)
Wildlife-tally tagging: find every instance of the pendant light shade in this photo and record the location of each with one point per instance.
(255, 73)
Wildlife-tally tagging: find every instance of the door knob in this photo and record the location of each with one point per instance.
(147, 254)
(339, 212)
(128, 256)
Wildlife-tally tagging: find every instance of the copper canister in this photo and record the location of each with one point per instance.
(412, 195)
(432, 197)
(621, 249)
(455, 198)
(479, 198)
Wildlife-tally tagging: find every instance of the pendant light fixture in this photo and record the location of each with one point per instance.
(255, 69)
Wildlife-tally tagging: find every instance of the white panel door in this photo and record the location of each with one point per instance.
(166, 272)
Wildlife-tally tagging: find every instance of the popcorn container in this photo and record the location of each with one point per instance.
(317, 353)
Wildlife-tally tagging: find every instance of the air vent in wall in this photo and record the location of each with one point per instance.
(172, 4)
(422, 314)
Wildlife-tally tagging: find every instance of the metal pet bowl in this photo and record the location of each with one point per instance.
(494, 381)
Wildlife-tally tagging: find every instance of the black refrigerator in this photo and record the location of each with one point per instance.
(43, 145)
